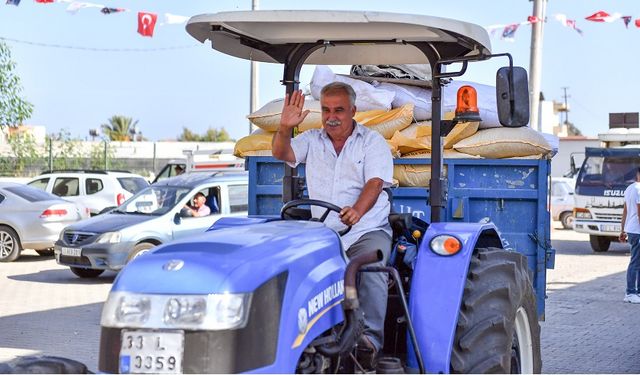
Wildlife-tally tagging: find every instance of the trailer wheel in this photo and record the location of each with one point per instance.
(599, 244)
(498, 329)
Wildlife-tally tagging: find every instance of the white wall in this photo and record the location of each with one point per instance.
(560, 164)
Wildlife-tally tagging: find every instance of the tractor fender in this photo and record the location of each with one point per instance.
(437, 288)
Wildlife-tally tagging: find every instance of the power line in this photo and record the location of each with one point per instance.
(95, 49)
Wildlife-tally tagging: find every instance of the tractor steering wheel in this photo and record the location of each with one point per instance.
(284, 214)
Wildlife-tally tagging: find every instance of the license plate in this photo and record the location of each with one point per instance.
(611, 228)
(71, 251)
(148, 352)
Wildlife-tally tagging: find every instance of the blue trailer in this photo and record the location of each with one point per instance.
(275, 293)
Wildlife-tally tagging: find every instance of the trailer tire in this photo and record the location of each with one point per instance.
(498, 330)
(599, 244)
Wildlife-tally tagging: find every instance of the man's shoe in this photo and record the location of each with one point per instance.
(632, 298)
(367, 354)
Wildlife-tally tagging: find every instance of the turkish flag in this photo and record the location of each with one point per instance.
(637, 22)
(146, 23)
(600, 16)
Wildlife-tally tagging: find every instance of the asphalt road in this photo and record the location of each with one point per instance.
(46, 310)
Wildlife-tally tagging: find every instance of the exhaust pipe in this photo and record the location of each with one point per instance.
(354, 318)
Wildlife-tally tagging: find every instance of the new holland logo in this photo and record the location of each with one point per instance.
(173, 265)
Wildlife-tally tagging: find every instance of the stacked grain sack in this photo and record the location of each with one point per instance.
(402, 114)
(373, 105)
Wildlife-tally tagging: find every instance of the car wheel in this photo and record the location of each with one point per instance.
(9, 244)
(599, 244)
(86, 273)
(45, 252)
(140, 249)
(567, 220)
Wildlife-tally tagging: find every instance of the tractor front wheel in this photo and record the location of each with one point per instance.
(498, 330)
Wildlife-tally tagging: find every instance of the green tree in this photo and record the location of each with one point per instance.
(26, 153)
(119, 128)
(14, 110)
(211, 135)
(67, 151)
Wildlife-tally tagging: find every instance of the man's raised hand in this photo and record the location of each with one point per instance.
(292, 111)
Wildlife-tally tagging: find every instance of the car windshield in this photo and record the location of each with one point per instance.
(31, 194)
(154, 200)
(609, 171)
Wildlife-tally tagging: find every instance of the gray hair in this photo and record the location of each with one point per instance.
(336, 86)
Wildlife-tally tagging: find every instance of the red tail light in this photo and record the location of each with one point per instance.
(56, 212)
(120, 199)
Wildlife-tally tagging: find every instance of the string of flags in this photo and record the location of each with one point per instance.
(147, 21)
(508, 31)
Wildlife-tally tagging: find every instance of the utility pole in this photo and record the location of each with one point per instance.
(566, 105)
(535, 66)
(253, 90)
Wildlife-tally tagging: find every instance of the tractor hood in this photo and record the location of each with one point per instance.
(234, 260)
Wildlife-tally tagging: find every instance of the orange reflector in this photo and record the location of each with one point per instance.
(416, 234)
(451, 245)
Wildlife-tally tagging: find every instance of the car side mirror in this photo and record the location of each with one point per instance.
(512, 96)
(177, 219)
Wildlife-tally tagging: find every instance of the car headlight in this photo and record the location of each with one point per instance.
(207, 312)
(109, 237)
(581, 213)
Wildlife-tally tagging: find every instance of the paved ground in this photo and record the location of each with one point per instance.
(44, 309)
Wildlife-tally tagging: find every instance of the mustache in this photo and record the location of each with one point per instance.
(334, 122)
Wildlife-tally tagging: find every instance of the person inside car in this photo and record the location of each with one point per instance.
(199, 208)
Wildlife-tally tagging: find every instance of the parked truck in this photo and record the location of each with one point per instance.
(275, 292)
(605, 174)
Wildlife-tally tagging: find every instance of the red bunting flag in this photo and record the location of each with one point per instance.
(146, 23)
(599, 16)
(637, 22)
(44, 1)
(533, 19)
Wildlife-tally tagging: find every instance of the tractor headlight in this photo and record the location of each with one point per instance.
(206, 312)
(109, 237)
(445, 245)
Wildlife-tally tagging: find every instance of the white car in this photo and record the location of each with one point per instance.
(95, 190)
(562, 201)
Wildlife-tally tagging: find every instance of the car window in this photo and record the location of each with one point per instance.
(1, 198)
(40, 183)
(133, 184)
(66, 187)
(30, 194)
(238, 198)
(93, 185)
(557, 189)
(154, 200)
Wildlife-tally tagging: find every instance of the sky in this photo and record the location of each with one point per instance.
(172, 81)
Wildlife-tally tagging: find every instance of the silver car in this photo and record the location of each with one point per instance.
(153, 216)
(32, 219)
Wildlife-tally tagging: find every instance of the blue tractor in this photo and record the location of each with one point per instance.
(275, 293)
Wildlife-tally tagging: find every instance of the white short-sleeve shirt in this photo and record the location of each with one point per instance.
(632, 199)
(339, 179)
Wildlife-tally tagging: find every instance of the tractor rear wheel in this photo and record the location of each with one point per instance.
(498, 329)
